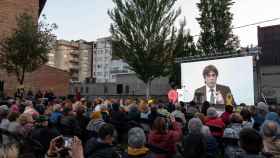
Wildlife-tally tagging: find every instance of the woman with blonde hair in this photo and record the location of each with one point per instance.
(96, 123)
(25, 121)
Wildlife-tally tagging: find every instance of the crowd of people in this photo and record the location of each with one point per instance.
(47, 126)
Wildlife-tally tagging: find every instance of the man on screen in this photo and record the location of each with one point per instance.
(212, 92)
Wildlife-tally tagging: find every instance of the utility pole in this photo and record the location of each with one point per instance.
(256, 52)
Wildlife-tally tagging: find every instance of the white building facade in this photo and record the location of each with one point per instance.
(106, 66)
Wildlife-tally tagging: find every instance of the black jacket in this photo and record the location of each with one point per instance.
(44, 135)
(96, 149)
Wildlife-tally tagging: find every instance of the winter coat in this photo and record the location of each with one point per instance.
(119, 120)
(69, 126)
(4, 124)
(13, 126)
(247, 124)
(233, 131)
(166, 141)
(212, 146)
(226, 117)
(55, 117)
(134, 115)
(95, 125)
(216, 126)
(96, 149)
(44, 135)
(25, 129)
(258, 121)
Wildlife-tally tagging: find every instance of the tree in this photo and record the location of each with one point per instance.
(185, 47)
(216, 27)
(144, 36)
(27, 47)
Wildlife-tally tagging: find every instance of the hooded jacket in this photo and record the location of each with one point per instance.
(166, 141)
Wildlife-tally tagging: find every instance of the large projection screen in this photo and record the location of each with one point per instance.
(235, 73)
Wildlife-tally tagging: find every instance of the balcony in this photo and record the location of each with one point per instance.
(73, 79)
(74, 60)
(74, 53)
(74, 67)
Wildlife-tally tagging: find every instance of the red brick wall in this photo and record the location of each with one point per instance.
(10, 9)
(44, 78)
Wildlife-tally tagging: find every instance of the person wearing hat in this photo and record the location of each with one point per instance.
(136, 144)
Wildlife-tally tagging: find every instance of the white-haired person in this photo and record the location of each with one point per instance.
(136, 144)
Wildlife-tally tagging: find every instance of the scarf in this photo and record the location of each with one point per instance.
(137, 151)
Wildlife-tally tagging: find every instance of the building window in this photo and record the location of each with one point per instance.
(126, 89)
(105, 89)
(82, 89)
(87, 90)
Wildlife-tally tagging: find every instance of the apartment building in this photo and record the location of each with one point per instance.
(107, 66)
(103, 59)
(76, 57)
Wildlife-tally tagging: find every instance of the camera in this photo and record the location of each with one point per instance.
(67, 142)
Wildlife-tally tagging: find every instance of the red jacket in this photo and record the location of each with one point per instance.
(166, 141)
(226, 117)
(216, 126)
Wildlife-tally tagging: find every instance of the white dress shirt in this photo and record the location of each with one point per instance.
(208, 94)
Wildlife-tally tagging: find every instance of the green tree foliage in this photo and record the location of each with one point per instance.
(185, 47)
(27, 47)
(216, 27)
(143, 36)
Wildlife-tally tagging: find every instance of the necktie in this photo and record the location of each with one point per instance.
(212, 98)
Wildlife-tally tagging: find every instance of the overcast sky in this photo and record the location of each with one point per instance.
(88, 19)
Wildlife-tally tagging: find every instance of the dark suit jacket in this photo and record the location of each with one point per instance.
(201, 93)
